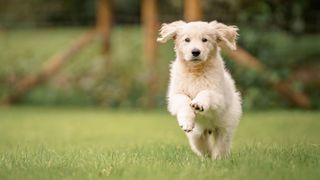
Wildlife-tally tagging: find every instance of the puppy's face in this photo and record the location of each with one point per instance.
(197, 41)
(194, 41)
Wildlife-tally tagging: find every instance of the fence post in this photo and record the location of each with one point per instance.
(150, 27)
(192, 10)
(104, 24)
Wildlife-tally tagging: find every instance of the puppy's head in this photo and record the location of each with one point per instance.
(197, 41)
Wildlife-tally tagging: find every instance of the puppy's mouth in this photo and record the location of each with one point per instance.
(195, 60)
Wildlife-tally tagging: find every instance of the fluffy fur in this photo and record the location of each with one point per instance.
(201, 92)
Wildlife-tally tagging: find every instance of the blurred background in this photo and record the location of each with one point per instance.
(104, 53)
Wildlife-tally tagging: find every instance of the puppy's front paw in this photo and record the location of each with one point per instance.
(186, 120)
(187, 126)
(198, 106)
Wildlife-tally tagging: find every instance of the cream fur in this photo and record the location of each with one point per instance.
(201, 92)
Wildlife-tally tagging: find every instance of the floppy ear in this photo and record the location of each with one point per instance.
(226, 35)
(169, 31)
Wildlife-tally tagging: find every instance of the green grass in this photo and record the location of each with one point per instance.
(88, 143)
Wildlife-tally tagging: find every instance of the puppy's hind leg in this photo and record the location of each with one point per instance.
(198, 140)
(222, 143)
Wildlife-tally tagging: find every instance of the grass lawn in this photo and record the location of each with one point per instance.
(93, 143)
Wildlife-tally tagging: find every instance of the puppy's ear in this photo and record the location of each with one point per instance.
(169, 31)
(226, 35)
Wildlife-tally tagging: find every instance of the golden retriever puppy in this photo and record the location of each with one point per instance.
(202, 93)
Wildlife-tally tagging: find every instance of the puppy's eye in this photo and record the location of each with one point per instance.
(204, 39)
(187, 40)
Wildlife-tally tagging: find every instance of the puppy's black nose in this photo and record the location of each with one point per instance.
(195, 52)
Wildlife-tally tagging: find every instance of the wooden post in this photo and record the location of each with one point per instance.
(150, 27)
(192, 10)
(104, 24)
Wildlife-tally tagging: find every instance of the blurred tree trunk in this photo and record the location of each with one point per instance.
(52, 66)
(192, 10)
(150, 27)
(104, 25)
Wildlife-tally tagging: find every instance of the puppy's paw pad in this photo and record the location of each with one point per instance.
(197, 107)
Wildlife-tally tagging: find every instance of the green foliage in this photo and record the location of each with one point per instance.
(120, 81)
(86, 143)
(17, 13)
(281, 53)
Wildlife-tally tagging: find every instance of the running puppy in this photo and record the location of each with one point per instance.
(201, 93)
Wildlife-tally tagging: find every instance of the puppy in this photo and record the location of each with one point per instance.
(201, 93)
